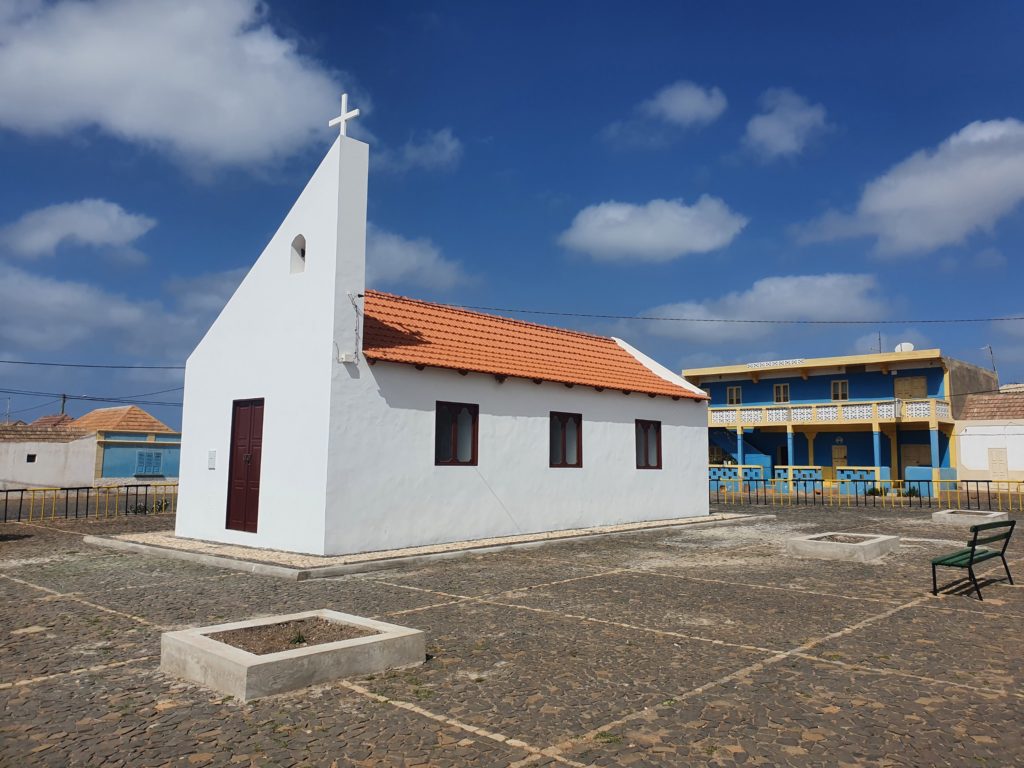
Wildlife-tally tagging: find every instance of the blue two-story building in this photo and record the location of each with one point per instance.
(879, 416)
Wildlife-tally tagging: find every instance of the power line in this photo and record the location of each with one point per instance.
(592, 315)
(92, 365)
(764, 321)
(131, 400)
(34, 407)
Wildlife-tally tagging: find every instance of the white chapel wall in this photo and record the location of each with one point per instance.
(274, 341)
(385, 491)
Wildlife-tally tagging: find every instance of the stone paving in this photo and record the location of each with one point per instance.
(696, 645)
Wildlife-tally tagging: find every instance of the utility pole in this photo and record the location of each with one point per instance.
(7, 418)
(992, 357)
(879, 342)
(63, 402)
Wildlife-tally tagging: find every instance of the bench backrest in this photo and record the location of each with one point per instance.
(993, 532)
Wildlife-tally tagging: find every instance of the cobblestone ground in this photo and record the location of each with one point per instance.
(697, 645)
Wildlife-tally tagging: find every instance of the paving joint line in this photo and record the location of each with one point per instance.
(153, 584)
(405, 611)
(71, 672)
(638, 627)
(464, 598)
(73, 598)
(754, 667)
(481, 732)
(865, 669)
(65, 530)
(794, 590)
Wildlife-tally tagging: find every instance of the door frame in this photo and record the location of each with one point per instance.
(846, 455)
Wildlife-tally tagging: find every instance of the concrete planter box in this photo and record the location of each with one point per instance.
(869, 547)
(967, 517)
(192, 655)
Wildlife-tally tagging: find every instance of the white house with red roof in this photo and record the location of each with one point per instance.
(323, 418)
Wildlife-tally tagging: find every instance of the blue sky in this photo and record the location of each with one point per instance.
(796, 161)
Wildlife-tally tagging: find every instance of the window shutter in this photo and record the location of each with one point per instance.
(148, 462)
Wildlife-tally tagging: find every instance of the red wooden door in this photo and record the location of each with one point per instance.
(244, 470)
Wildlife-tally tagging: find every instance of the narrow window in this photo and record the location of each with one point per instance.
(734, 396)
(298, 261)
(566, 439)
(30, 458)
(455, 434)
(648, 444)
(148, 463)
(781, 392)
(841, 390)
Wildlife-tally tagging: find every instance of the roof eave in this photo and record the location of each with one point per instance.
(681, 395)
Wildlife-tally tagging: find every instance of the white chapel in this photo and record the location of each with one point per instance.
(324, 418)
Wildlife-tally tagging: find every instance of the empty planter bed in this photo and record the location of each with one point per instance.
(860, 547)
(276, 654)
(967, 517)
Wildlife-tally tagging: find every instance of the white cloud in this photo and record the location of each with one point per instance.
(937, 197)
(437, 151)
(209, 82)
(45, 314)
(792, 297)
(391, 258)
(205, 294)
(658, 231)
(786, 123)
(685, 103)
(92, 222)
(655, 121)
(989, 258)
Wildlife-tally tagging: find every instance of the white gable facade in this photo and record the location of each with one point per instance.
(346, 459)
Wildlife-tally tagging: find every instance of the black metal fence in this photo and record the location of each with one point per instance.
(37, 504)
(986, 495)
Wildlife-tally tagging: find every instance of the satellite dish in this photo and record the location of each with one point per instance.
(904, 346)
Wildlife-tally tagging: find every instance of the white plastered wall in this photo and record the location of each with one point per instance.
(384, 490)
(277, 339)
(975, 438)
(57, 465)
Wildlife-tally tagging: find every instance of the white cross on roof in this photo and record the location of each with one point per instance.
(344, 117)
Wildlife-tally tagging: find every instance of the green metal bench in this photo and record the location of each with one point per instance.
(974, 554)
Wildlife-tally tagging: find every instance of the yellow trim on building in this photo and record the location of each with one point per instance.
(884, 359)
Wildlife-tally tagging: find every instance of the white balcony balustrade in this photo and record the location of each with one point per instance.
(880, 411)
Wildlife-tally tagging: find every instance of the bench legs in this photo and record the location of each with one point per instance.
(974, 581)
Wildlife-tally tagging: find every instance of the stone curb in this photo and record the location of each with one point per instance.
(218, 561)
(368, 566)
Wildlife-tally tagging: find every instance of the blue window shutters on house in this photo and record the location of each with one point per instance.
(148, 463)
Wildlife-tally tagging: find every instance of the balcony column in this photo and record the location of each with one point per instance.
(876, 443)
(933, 434)
(789, 444)
(810, 450)
(739, 445)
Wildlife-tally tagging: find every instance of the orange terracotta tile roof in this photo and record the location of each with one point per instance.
(30, 433)
(402, 330)
(126, 418)
(53, 420)
(1006, 405)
